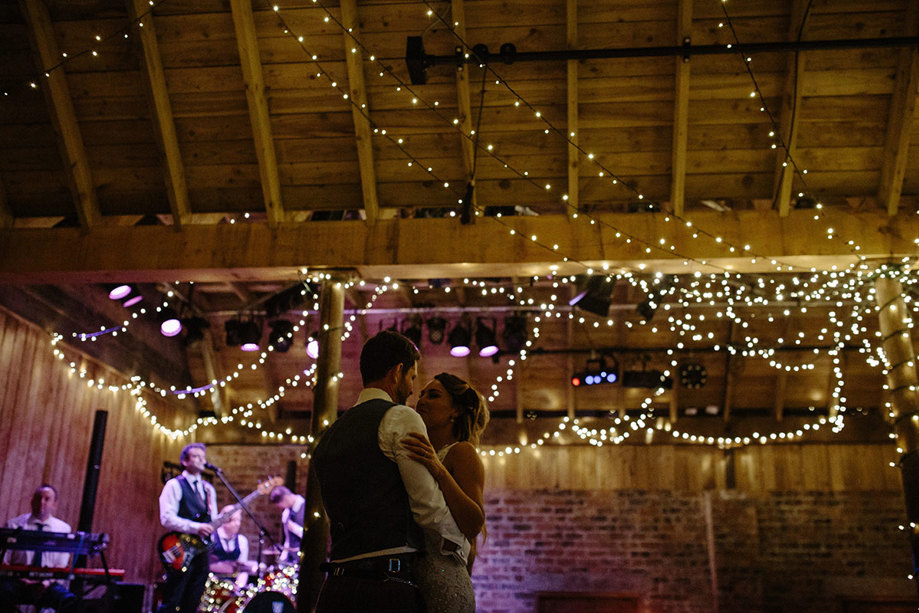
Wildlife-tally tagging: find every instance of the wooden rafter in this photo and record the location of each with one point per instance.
(571, 12)
(62, 113)
(899, 121)
(681, 112)
(357, 89)
(789, 114)
(463, 102)
(251, 62)
(158, 96)
(403, 248)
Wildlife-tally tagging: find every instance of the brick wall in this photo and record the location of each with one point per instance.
(796, 551)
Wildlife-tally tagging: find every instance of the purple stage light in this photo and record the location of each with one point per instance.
(171, 327)
(249, 347)
(120, 291)
(132, 301)
(487, 352)
(312, 347)
(460, 351)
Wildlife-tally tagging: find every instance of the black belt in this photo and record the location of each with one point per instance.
(399, 566)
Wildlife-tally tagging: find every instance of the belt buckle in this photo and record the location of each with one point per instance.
(395, 565)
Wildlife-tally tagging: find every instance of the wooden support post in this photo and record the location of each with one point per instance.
(251, 63)
(63, 116)
(729, 375)
(675, 398)
(904, 399)
(900, 118)
(314, 546)
(788, 117)
(161, 113)
(464, 103)
(571, 11)
(681, 112)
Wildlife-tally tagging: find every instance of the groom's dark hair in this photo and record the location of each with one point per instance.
(384, 351)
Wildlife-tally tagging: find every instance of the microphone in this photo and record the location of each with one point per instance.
(210, 466)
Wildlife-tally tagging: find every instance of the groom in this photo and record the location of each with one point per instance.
(378, 499)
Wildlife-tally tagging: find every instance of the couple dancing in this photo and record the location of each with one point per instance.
(404, 507)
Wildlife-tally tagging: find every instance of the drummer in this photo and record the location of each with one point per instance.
(230, 556)
(293, 507)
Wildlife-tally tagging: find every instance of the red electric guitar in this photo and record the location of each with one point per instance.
(176, 549)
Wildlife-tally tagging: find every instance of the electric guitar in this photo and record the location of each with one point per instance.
(176, 549)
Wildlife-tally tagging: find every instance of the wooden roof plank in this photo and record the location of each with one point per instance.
(789, 115)
(360, 110)
(251, 63)
(176, 187)
(681, 112)
(573, 99)
(41, 32)
(900, 118)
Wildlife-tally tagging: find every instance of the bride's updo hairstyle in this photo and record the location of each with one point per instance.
(473, 412)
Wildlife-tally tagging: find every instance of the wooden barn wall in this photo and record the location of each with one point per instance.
(46, 422)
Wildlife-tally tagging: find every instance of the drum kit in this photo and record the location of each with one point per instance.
(275, 591)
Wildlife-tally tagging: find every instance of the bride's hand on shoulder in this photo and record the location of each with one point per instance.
(420, 449)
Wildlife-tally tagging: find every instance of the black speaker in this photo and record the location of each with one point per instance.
(116, 598)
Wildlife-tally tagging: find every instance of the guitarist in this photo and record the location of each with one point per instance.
(187, 504)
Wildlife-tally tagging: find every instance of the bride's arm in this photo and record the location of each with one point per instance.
(463, 489)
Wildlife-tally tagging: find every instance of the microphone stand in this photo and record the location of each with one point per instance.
(262, 532)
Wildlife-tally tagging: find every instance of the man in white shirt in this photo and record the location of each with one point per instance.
(293, 508)
(377, 498)
(187, 504)
(48, 594)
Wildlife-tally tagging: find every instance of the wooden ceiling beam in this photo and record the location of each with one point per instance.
(464, 102)
(251, 63)
(681, 112)
(163, 120)
(900, 118)
(63, 116)
(571, 11)
(443, 248)
(360, 110)
(788, 115)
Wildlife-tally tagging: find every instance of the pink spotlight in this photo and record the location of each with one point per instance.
(120, 291)
(249, 347)
(460, 351)
(312, 348)
(132, 301)
(487, 352)
(170, 327)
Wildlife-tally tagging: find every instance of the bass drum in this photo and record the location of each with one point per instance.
(262, 602)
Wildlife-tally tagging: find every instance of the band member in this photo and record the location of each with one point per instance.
(230, 555)
(187, 504)
(47, 594)
(292, 506)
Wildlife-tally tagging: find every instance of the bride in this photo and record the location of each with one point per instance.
(455, 415)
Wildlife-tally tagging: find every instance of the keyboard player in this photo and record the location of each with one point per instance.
(44, 594)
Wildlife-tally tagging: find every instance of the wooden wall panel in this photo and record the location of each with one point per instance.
(684, 468)
(47, 416)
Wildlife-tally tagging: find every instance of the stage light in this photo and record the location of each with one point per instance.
(250, 334)
(120, 291)
(485, 338)
(437, 326)
(411, 328)
(649, 379)
(459, 340)
(312, 345)
(593, 294)
(282, 334)
(194, 329)
(693, 375)
(132, 300)
(598, 371)
(231, 329)
(169, 322)
(646, 308)
(515, 333)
